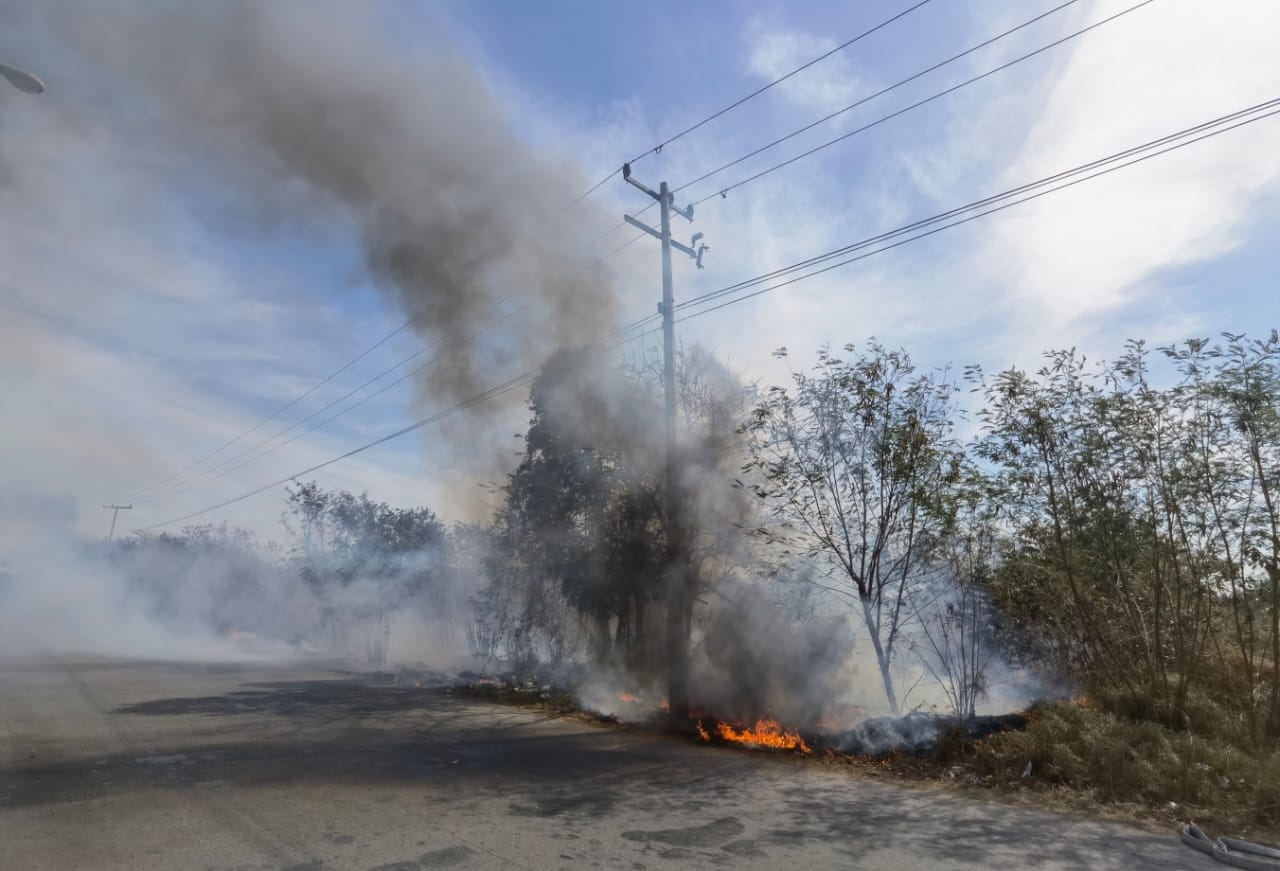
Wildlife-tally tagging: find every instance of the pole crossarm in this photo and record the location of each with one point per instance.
(115, 512)
(693, 249)
(632, 180)
(640, 225)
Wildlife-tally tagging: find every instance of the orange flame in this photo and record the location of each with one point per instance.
(765, 733)
(628, 698)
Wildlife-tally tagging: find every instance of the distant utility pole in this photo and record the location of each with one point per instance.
(677, 654)
(115, 512)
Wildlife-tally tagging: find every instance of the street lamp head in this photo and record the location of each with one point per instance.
(21, 79)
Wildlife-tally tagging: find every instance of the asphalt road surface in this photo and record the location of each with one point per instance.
(108, 764)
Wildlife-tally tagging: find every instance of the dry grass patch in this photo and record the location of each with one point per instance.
(1113, 761)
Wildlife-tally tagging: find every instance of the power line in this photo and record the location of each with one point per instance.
(755, 152)
(595, 187)
(1003, 195)
(829, 117)
(435, 359)
(627, 244)
(1171, 143)
(216, 471)
(620, 336)
(491, 393)
(982, 202)
(1171, 140)
(615, 228)
(871, 241)
(757, 92)
(916, 105)
(301, 396)
(609, 232)
(880, 93)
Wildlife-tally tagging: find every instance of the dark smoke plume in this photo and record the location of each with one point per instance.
(321, 111)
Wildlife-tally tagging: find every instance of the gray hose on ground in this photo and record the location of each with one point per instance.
(1194, 838)
(1232, 851)
(1249, 847)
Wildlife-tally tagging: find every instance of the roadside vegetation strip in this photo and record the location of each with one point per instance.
(1081, 759)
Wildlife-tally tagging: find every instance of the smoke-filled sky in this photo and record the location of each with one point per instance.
(216, 205)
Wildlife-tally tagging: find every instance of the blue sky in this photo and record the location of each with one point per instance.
(147, 316)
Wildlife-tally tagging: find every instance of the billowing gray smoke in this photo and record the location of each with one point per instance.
(316, 111)
(286, 126)
(758, 662)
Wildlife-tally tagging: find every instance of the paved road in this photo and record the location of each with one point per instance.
(124, 765)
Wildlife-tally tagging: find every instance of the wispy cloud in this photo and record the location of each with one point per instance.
(1091, 252)
(776, 50)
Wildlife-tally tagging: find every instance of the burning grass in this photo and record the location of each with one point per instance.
(765, 733)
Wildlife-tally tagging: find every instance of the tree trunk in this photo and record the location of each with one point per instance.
(1272, 566)
(1273, 719)
(604, 648)
(882, 657)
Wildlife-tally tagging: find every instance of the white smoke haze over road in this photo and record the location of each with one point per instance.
(58, 596)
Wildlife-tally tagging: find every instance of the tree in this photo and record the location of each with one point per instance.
(218, 577)
(848, 461)
(711, 403)
(365, 558)
(1075, 457)
(958, 625)
(1237, 391)
(580, 550)
(1140, 517)
(581, 525)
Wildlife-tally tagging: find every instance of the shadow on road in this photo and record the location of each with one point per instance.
(295, 699)
(713, 804)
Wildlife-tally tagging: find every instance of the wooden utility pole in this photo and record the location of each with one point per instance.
(115, 512)
(677, 582)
